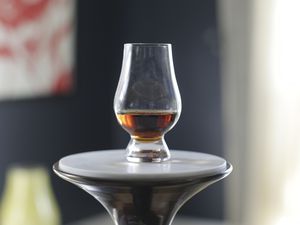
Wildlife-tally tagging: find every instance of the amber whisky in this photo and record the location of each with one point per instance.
(147, 125)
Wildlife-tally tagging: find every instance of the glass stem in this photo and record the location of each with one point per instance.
(139, 150)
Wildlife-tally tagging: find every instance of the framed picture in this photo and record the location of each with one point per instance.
(36, 47)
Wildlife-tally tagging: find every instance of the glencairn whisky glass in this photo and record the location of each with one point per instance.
(147, 102)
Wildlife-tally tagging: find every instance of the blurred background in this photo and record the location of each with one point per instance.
(237, 70)
(80, 117)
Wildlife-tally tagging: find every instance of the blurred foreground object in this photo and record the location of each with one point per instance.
(28, 198)
(36, 47)
(262, 106)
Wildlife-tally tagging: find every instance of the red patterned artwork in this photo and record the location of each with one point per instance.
(36, 47)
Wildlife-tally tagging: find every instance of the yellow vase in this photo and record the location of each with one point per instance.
(28, 198)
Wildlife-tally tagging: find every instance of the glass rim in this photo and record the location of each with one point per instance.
(148, 44)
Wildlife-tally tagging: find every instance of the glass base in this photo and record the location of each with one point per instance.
(146, 151)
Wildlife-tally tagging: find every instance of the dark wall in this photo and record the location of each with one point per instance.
(43, 130)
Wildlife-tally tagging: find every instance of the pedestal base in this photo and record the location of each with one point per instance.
(142, 193)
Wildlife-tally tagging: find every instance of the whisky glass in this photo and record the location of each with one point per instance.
(147, 102)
